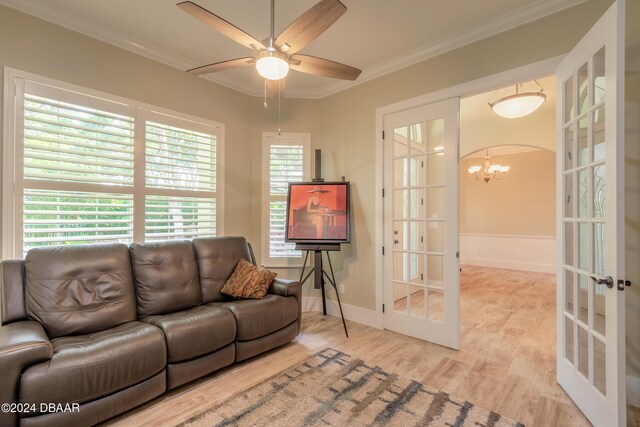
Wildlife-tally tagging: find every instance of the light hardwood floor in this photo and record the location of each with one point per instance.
(506, 362)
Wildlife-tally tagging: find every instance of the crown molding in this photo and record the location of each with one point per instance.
(495, 26)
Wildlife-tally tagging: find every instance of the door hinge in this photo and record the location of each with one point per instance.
(383, 250)
(383, 192)
(382, 134)
(457, 254)
(383, 308)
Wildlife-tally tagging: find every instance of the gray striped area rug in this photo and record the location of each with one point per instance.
(332, 389)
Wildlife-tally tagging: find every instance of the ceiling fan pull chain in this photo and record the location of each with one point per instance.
(265, 93)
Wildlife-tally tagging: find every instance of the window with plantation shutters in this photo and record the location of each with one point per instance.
(82, 167)
(285, 160)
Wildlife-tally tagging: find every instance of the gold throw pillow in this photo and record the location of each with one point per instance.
(248, 281)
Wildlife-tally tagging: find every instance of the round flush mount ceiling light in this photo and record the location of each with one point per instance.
(273, 65)
(518, 104)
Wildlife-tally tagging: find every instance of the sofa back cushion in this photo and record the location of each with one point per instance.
(12, 291)
(79, 289)
(166, 276)
(217, 258)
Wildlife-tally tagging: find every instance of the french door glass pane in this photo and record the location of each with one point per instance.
(568, 243)
(435, 236)
(569, 112)
(569, 288)
(417, 297)
(435, 135)
(435, 203)
(416, 236)
(583, 89)
(400, 231)
(568, 195)
(435, 301)
(599, 191)
(435, 168)
(598, 252)
(599, 315)
(568, 148)
(400, 172)
(583, 157)
(435, 270)
(598, 134)
(583, 298)
(600, 366)
(598, 76)
(400, 297)
(568, 340)
(583, 246)
(416, 171)
(583, 351)
(583, 189)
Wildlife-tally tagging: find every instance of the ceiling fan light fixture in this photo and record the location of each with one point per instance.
(272, 65)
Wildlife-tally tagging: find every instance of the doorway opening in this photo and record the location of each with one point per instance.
(508, 242)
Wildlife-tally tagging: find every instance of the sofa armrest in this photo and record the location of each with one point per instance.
(288, 288)
(22, 344)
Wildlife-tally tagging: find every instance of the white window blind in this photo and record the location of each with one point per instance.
(65, 142)
(285, 161)
(184, 163)
(80, 169)
(179, 158)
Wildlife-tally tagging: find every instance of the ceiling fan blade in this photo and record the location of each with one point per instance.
(223, 65)
(324, 67)
(310, 25)
(275, 88)
(222, 26)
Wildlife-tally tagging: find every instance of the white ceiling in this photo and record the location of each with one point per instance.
(377, 36)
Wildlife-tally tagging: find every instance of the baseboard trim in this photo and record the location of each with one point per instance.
(509, 265)
(633, 391)
(353, 313)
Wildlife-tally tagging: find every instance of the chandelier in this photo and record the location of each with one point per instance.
(519, 104)
(489, 171)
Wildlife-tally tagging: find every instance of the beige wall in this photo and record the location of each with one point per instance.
(632, 187)
(36, 46)
(520, 204)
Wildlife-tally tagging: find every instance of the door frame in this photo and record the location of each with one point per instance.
(546, 67)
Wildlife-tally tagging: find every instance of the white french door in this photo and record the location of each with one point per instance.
(421, 267)
(590, 303)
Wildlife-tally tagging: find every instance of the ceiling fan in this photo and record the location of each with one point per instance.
(275, 56)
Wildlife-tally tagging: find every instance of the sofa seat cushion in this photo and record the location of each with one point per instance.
(261, 317)
(87, 367)
(195, 332)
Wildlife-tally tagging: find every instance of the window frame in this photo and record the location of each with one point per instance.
(280, 138)
(14, 85)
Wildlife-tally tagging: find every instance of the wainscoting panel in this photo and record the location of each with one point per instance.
(526, 253)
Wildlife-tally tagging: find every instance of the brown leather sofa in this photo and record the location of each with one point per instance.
(97, 330)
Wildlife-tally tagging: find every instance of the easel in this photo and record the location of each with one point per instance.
(320, 274)
(317, 249)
